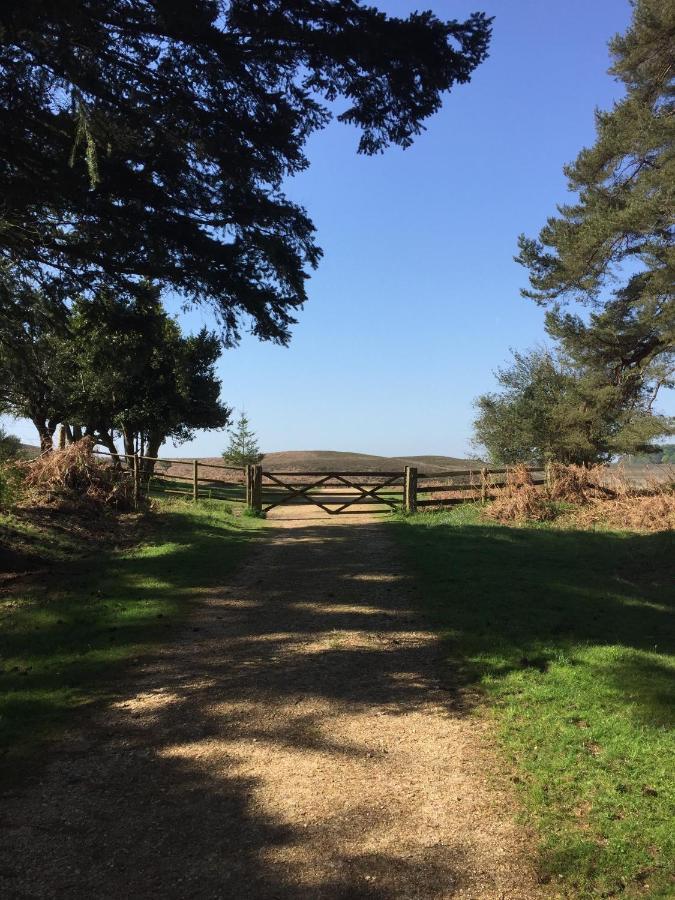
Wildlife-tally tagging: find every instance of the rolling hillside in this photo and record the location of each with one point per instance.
(321, 460)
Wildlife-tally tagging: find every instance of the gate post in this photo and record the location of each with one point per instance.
(248, 480)
(136, 475)
(254, 487)
(410, 489)
(195, 480)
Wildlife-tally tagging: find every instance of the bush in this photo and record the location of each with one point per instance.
(10, 446)
(520, 500)
(585, 497)
(11, 478)
(74, 476)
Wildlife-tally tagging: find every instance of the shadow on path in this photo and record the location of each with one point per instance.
(299, 739)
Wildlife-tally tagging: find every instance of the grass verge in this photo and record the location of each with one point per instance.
(570, 636)
(73, 616)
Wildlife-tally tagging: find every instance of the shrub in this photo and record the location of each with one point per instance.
(585, 497)
(75, 477)
(11, 478)
(520, 500)
(576, 484)
(10, 446)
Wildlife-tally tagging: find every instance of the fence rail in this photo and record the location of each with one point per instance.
(333, 491)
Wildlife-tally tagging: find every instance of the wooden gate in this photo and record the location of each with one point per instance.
(332, 492)
(338, 492)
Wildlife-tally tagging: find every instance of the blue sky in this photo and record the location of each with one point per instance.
(416, 300)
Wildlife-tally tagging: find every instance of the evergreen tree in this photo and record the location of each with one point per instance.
(109, 367)
(137, 376)
(612, 250)
(243, 449)
(550, 408)
(620, 229)
(10, 445)
(151, 140)
(35, 359)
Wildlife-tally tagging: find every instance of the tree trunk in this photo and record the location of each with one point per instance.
(106, 441)
(154, 442)
(46, 433)
(129, 448)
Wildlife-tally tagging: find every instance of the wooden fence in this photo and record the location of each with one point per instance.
(408, 489)
(194, 479)
(334, 492)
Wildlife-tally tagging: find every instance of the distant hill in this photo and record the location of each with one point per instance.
(323, 460)
(30, 451)
(335, 460)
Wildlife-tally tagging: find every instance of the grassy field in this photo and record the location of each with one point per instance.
(325, 461)
(86, 611)
(570, 636)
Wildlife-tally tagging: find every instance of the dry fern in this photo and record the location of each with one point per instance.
(74, 477)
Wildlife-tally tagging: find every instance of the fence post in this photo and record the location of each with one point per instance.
(136, 474)
(248, 481)
(256, 488)
(483, 485)
(410, 489)
(195, 480)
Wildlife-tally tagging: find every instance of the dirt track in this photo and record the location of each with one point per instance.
(300, 739)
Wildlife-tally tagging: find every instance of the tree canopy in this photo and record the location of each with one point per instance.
(10, 445)
(611, 252)
(34, 366)
(110, 366)
(613, 247)
(551, 407)
(151, 141)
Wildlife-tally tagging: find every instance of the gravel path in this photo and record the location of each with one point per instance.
(300, 739)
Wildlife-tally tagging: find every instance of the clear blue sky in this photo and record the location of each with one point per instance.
(416, 300)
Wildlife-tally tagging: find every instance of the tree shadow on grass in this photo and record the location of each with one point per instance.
(510, 599)
(69, 625)
(154, 803)
(151, 801)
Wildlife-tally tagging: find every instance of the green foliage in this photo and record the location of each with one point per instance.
(550, 408)
(663, 454)
(594, 396)
(248, 512)
(620, 229)
(65, 644)
(155, 144)
(10, 484)
(574, 653)
(668, 454)
(10, 446)
(243, 449)
(10, 475)
(135, 374)
(35, 359)
(108, 365)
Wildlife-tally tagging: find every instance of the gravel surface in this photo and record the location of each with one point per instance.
(300, 738)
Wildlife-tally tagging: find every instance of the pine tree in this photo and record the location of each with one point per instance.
(154, 139)
(550, 408)
(612, 250)
(625, 182)
(243, 449)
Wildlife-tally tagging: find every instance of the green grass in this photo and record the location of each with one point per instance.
(570, 636)
(162, 486)
(66, 633)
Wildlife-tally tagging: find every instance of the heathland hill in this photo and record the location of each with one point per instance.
(325, 460)
(291, 461)
(329, 460)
